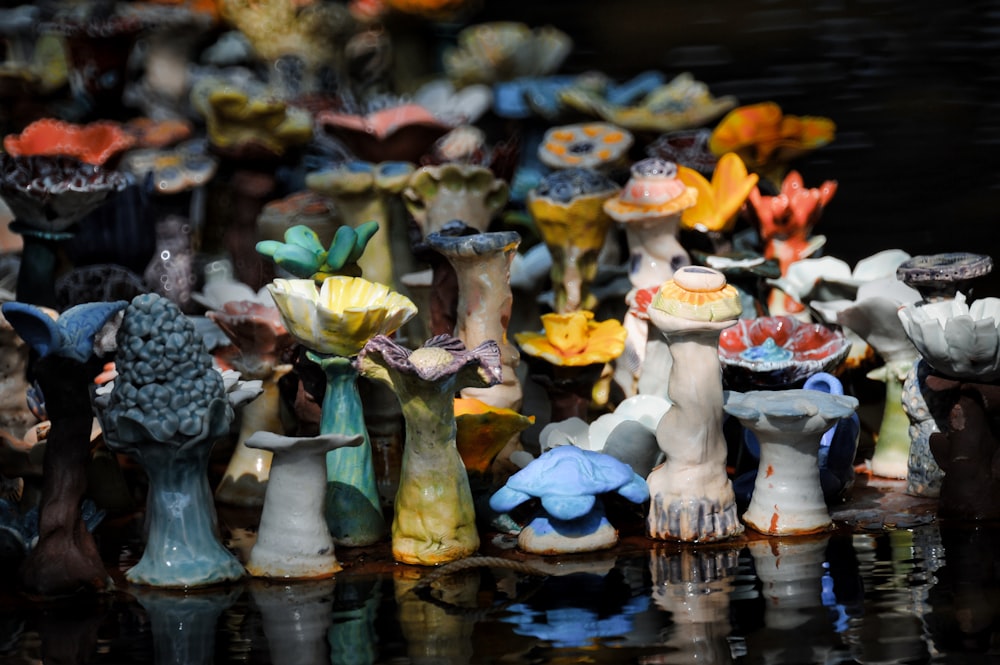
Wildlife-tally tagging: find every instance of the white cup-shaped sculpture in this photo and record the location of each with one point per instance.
(958, 340)
(788, 496)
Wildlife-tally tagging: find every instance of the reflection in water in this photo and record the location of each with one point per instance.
(890, 629)
(964, 596)
(184, 623)
(578, 610)
(352, 636)
(798, 627)
(295, 618)
(694, 586)
(437, 632)
(931, 593)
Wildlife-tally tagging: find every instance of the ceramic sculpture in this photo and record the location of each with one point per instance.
(788, 495)
(568, 358)
(960, 342)
(66, 558)
(48, 196)
(691, 496)
(166, 408)
(649, 208)
(434, 520)
(293, 540)
(259, 343)
(568, 480)
(334, 321)
(567, 207)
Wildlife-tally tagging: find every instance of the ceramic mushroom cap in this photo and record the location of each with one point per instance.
(568, 479)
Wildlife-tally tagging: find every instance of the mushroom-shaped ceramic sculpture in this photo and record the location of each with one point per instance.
(568, 481)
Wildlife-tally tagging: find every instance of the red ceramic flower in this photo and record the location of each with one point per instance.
(786, 221)
(94, 143)
(778, 351)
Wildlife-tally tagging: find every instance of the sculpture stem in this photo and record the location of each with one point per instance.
(353, 510)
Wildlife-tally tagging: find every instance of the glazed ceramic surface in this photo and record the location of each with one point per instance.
(95, 143)
(942, 276)
(567, 480)
(680, 104)
(957, 339)
(482, 265)
(434, 519)
(167, 415)
(293, 540)
(692, 498)
(567, 207)
(788, 496)
(65, 557)
(776, 351)
(335, 321)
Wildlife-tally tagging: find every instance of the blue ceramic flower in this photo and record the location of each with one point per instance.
(71, 335)
(568, 479)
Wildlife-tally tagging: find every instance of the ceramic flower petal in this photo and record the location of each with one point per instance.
(482, 430)
(342, 315)
(720, 200)
(574, 339)
(956, 339)
(71, 335)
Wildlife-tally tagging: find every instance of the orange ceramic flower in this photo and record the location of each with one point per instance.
(574, 339)
(483, 430)
(432, 9)
(94, 143)
(766, 139)
(718, 201)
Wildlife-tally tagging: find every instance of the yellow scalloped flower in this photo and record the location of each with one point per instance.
(482, 430)
(340, 316)
(574, 339)
(581, 223)
(718, 201)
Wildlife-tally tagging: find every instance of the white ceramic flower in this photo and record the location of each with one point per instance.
(828, 278)
(872, 316)
(342, 315)
(955, 338)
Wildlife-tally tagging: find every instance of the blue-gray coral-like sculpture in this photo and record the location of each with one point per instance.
(166, 409)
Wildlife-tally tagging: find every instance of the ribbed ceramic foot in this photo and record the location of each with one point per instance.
(698, 520)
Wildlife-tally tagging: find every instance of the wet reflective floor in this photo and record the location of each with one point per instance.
(890, 585)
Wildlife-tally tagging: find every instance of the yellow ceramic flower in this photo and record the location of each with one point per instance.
(718, 201)
(240, 116)
(581, 223)
(342, 315)
(483, 430)
(574, 339)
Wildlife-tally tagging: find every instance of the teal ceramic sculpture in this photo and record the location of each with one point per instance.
(334, 321)
(166, 408)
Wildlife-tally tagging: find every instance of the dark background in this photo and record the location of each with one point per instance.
(912, 86)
